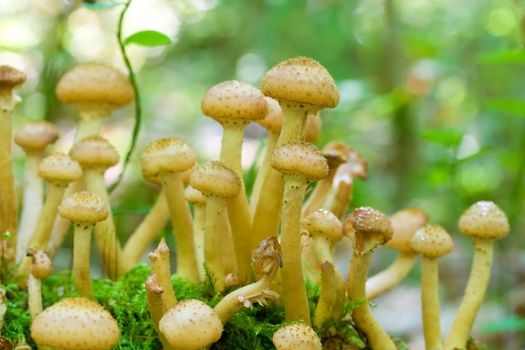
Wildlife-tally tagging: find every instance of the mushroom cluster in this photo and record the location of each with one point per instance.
(217, 224)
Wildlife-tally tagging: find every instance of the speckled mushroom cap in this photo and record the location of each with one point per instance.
(33, 137)
(59, 169)
(94, 83)
(371, 228)
(323, 223)
(296, 336)
(234, 101)
(405, 223)
(312, 128)
(83, 208)
(301, 80)
(10, 77)
(94, 152)
(273, 120)
(75, 324)
(484, 220)
(194, 196)
(41, 266)
(336, 153)
(432, 241)
(300, 158)
(166, 155)
(191, 325)
(215, 179)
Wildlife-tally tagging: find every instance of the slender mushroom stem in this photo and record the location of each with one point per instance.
(160, 262)
(263, 170)
(199, 226)
(81, 253)
(387, 279)
(328, 307)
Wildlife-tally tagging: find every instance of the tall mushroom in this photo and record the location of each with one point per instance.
(300, 163)
(483, 222)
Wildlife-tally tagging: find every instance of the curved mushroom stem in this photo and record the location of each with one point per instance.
(160, 262)
(474, 294)
(81, 252)
(146, 232)
(263, 170)
(390, 277)
(430, 303)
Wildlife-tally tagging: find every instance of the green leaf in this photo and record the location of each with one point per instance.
(502, 57)
(507, 106)
(102, 5)
(508, 324)
(445, 137)
(148, 38)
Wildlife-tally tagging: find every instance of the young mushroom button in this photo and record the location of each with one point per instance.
(296, 336)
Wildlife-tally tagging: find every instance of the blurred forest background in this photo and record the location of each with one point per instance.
(431, 94)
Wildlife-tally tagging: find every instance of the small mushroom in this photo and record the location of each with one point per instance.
(296, 336)
(41, 268)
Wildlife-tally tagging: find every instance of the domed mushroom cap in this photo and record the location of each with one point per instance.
(194, 196)
(324, 224)
(484, 220)
(300, 158)
(83, 207)
(59, 169)
(301, 80)
(35, 136)
(94, 152)
(336, 153)
(432, 241)
(75, 324)
(10, 77)
(216, 179)
(273, 120)
(191, 324)
(166, 155)
(94, 83)
(404, 224)
(371, 228)
(234, 100)
(296, 336)
(41, 266)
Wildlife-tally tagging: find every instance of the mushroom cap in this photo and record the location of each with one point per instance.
(405, 223)
(215, 179)
(194, 196)
(371, 228)
(234, 100)
(484, 220)
(94, 152)
(324, 224)
(75, 324)
(41, 266)
(273, 120)
(10, 77)
(432, 241)
(35, 136)
(166, 155)
(301, 80)
(296, 336)
(58, 168)
(83, 207)
(191, 324)
(312, 128)
(94, 83)
(300, 158)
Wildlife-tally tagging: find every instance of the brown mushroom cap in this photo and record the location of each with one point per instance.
(10, 77)
(432, 241)
(273, 121)
(191, 324)
(94, 83)
(404, 224)
(296, 336)
(41, 266)
(94, 152)
(194, 196)
(59, 169)
(33, 137)
(166, 155)
(301, 80)
(484, 220)
(324, 224)
(75, 324)
(233, 100)
(300, 158)
(370, 226)
(215, 179)
(83, 208)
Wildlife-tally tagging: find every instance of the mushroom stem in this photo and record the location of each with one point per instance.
(160, 263)
(263, 170)
(156, 306)
(34, 299)
(474, 294)
(81, 252)
(216, 224)
(430, 303)
(330, 304)
(146, 232)
(339, 198)
(390, 277)
(91, 119)
(199, 227)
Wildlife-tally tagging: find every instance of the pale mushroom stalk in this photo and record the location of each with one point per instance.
(41, 268)
(390, 277)
(199, 226)
(160, 262)
(156, 306)
(81, 253)
(330, 304)
(91, 118)
(263, 170)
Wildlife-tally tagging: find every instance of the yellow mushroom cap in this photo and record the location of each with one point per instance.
(484, 220)
(215, 179)
(10, 77)
(273, 121)
(300, 158)
(83, 208)
(191, 325)
(324, 224)
(296, 337)
(166, 155)
(94, 152)
(194, 196)
(371, 228)
(75, 324)
(94, 83)
(59, 169)
(432, 241)
(35, 136)
(234, 100)
(404, 224)
(301, 80)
